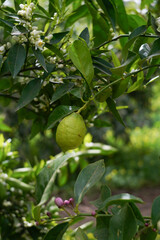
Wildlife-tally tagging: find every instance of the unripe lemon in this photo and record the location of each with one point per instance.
(70, 132)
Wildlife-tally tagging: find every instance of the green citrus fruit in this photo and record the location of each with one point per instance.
(104, 95)
(70, 132)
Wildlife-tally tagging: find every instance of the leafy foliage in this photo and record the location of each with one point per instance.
(50, 68)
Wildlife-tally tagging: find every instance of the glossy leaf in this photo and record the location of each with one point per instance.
(38, 54)
(59, 113)
(30, 91)
(155, 213)
(105, 193)
(77, 14)
(61, 91)
(46, 178)
(138, 83)
(54, 50)
(102, 227)
(121, 69)
(16, 58)
(148, 234)
(87, 178)
(137, 212)
(81, 58)
(155, 49)
(80, 235)
(109, 11)
(57, 232)
(112, 107)
(123, 226)
(7, 23)
(85, 35)
(57, 37)
(115, 59)
(133, 36)
(18, 184)
(119, 88)
(120, 199)
(100, 25)
(36, 213)
(122, 19)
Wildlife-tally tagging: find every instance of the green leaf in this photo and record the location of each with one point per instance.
(115, 59)
(18, 184)
(109, 11)
(36, 213)
(102, 65)
(85, 35)
(61, 91)
(40, 57)
(100, 25)
(80, 235)
(123, 226)
(119, 199)
(121, 15)
(7, 23)
(112, 107)
(133, 36)
(105, 193)
(54, 50)
(138, 83)
(137, 212)
(87, 178)
(80, 12)
(135, 21)
(148, 234)
(102, 227)
(57, 232)
(121, 69)
(30, 91)
(119, 88)
(59, 113)
(43, 10)
(45, 179)
(155, 213)
(155, 49)
(81, 58)
(16, 58)
(57, 37)
(5, 83)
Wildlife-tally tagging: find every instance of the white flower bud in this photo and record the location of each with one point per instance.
(2, 49)
(60, 65)
(73, 69)
(8, 45)
(21, 6)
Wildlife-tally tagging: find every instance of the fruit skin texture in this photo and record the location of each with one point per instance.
(70, 132)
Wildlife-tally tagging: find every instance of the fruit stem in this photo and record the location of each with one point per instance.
(83, 107)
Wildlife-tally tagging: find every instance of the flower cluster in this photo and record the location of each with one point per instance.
(158, 24)
(4, 47)
(21, 38)
(26, 11)
(35, 38)
(60, 203)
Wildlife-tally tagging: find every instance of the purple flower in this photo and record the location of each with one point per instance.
(146, 224)
(93, 213)
(49, 214)
(66, 202)
(71, 200)
(59, 202)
